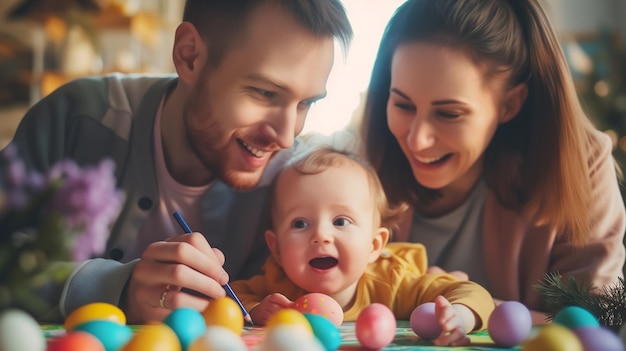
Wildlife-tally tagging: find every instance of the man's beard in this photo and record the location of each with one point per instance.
(205, 145)
(206, 137)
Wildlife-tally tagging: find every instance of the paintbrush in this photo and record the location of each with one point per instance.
(229, 291)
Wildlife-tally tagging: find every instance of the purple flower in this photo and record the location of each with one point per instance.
(89, 201)
(19, 184)
(36, 181)
(62, 215)
(85, 200)
(16, 173)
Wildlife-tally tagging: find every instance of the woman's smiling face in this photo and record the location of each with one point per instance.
(442, 113)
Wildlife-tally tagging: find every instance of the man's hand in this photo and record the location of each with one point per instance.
(186, 261)
(268, 306)
(455, 321)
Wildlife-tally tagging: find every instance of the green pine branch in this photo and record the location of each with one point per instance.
(607, 304)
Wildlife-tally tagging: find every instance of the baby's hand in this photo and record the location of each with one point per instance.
(268, 306)
(453, 321)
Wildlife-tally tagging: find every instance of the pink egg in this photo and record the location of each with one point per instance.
(509, 324)
(321, 304)
(424, 321)
(375, 327)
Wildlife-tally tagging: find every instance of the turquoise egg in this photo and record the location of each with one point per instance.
(574, 317)
(112, 335)
(187, 323)
(325, 331)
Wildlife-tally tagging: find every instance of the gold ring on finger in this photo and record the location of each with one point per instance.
(164, 296)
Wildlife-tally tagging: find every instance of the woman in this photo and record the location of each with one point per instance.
(472, 118)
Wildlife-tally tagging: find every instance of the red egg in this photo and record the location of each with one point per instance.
(376, 326)
(75, 341)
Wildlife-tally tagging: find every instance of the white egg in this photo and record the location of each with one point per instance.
(218, 338)
(20, 332)
(286, 337)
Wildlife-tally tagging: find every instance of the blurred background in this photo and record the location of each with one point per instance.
(45, 43)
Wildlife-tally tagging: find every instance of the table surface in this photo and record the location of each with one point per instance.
(404, 340)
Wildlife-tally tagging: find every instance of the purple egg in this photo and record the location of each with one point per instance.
(509, 324)
(424, 322)
(598, 339)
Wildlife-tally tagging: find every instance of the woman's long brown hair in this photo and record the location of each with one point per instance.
(536, 163)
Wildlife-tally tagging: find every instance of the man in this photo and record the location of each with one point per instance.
(198, 143)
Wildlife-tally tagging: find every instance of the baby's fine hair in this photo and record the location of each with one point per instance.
(326, 157)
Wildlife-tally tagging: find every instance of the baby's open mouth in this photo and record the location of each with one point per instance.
(323, 262)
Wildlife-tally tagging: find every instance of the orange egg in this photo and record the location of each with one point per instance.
(153, 337)
(291, 317)
(94, 311)
(224, 312)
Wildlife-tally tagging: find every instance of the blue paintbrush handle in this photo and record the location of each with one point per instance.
(227, 287)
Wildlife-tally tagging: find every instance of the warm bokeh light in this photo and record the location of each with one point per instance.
(351, 73)
(602, 88)
(613, 135)
(622, 143)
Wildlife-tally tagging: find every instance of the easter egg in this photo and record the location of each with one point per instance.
(20, 331)
(509, 324)
(218, 338)
(111, 334)
(325, 331)
(291, 317)
(598, 339)
(553, 337)
(622, 333)
(575, 317)
(153, 337)
(375, 326)
(187, 323)
(224, 311)
(94, 311)
(289, 337)
(322, 304)
(75, 341)
(424, 321)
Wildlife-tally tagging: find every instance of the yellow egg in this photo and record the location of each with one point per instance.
(224, 312)
(553, 337)
(289, 316)
(94, 311)
(153, 337)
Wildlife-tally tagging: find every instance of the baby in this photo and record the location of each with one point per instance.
(329, 230)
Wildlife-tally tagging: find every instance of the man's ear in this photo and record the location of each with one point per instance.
(189, 53)
(379, 241)
(513, 101)
(272, 243)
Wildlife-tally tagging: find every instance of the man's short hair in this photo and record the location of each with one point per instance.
(222, 22)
